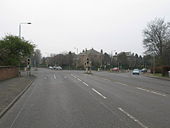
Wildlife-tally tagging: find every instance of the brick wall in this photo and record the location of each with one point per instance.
(8, 72)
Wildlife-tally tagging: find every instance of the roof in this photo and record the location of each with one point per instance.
(91, 51)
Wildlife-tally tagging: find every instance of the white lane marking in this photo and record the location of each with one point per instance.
(98, 93)
(54, 76)
(121, 83)
(85, 84)
(79, 79)
(18, 114)
(73, 76)
(133, 118)
(150, 91)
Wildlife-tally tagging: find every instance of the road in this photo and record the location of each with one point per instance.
(73, 99)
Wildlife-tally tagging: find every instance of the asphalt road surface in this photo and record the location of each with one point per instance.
(73, 99)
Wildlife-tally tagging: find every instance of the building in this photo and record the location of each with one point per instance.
(94, 56)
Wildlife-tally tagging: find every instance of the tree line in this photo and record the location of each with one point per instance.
(70, 60)
(156, 40)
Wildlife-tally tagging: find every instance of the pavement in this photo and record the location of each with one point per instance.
(11, 88)
(73, 99)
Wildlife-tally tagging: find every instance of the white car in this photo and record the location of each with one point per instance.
(50, 67)
(136, 72)
(58, 68)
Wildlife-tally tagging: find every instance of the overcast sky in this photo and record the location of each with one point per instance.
(64, 25)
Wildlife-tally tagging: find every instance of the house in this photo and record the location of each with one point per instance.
(94, 56)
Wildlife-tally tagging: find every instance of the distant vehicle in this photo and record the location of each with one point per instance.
(136, 72)
(116, 69)
(144, 70)
(58, 68)
(50, 67)
(54, 67)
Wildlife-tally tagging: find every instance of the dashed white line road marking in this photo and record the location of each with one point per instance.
(133, 118)
(54, 76)
(79, 79)
(150, 91)
(98, 93)
(85, 84)
(121, 83)
(73, 76)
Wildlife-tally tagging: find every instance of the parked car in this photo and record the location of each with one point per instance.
(50, 67)
(115, 69)
(144, 70)
(58, 68)
(136, 72)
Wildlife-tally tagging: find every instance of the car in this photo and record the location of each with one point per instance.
(144, 70)
(50, 67)
(136, 72)
(58, 68)
(115, 69)
(54, 67)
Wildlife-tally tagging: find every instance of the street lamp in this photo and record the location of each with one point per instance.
(20, 38)
(20, 27)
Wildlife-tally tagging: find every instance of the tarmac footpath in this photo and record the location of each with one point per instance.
(11, 90)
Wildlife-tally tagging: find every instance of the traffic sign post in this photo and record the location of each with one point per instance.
(28, 66)
(88, 65)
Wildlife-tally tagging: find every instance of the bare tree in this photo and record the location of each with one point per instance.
(36, 58)
(156, 35)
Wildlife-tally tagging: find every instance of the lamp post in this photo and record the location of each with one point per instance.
(20, 38)
(20, 27)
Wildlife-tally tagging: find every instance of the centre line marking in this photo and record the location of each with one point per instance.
(150, 91)
(54, 76)
(98, 93)
(79, 79)
(85, 84)
(73, 76)
(121, 83)
(133, 118)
